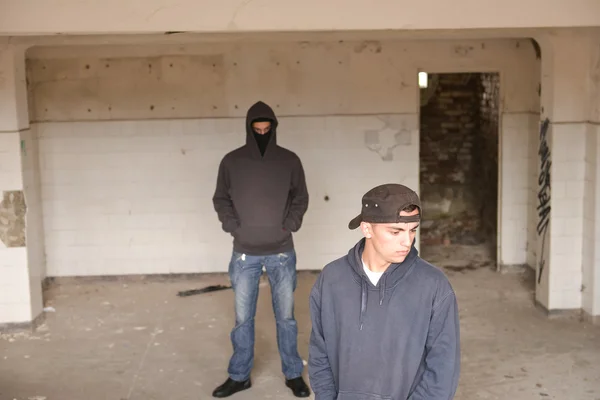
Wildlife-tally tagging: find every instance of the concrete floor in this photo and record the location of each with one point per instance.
(137, 340)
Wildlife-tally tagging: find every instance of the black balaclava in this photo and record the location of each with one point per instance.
(262, 140)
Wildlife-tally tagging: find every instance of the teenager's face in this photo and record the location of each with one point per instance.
(392, 242)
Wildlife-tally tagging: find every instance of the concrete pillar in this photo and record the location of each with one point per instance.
(591, 234)
(519, 83)
(567, 180)
(20, 279)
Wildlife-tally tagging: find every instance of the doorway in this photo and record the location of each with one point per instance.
(459, 168)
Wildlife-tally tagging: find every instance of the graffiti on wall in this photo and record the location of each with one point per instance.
(543, 208)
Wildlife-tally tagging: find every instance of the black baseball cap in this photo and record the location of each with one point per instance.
(383, 204)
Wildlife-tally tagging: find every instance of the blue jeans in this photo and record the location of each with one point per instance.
(245, 272)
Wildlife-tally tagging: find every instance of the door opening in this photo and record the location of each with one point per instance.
(459, 168)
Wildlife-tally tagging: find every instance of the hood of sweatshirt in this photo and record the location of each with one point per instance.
(260, 110)
(388, 281)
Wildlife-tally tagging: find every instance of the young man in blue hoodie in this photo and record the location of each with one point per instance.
(260, 199)
(384, 322)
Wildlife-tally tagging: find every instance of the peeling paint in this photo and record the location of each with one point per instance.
(384, 140)
(12, 219)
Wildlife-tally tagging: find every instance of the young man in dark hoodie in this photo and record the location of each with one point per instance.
(384, 322)
(260, 199)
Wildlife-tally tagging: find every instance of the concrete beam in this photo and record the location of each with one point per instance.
(31, 17)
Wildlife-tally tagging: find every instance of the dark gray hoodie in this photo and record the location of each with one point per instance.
(261, 199)
(398, 340)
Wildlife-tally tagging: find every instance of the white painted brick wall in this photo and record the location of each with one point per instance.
(135, 197)
(566, 230)
(15, 303)
(591, 229)
(15, 277)
(593, 283)
(10, 161)
(515, 188)
(15, 290)
(36, 257)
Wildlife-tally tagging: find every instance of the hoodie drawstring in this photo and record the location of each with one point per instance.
(363, 302)
(364, 297)
(382, 290)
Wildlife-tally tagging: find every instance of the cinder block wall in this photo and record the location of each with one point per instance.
(130, 139)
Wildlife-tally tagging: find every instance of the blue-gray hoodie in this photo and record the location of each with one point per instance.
(398, 340)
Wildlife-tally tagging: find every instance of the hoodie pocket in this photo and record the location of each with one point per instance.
(260, 235)
(361, 396)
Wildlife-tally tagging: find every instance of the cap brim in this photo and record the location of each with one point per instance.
(355, 223)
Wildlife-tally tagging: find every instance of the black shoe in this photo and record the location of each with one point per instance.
(299, 388)
(231, 387)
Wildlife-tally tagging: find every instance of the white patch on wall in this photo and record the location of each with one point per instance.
(395, 131)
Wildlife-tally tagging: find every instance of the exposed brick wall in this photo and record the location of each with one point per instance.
(459, 159)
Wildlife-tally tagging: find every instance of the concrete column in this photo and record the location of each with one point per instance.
(520, 102)
(591, 234)
(20, 281)
(567, 165)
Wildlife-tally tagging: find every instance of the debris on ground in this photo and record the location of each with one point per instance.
(208, 289)
(461, 268)
(459, 257)
(13, 337)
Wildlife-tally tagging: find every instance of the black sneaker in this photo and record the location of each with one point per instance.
(299, 388)
(231, 387)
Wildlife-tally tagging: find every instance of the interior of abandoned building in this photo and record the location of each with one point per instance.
(458, 147)
(110, 141)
